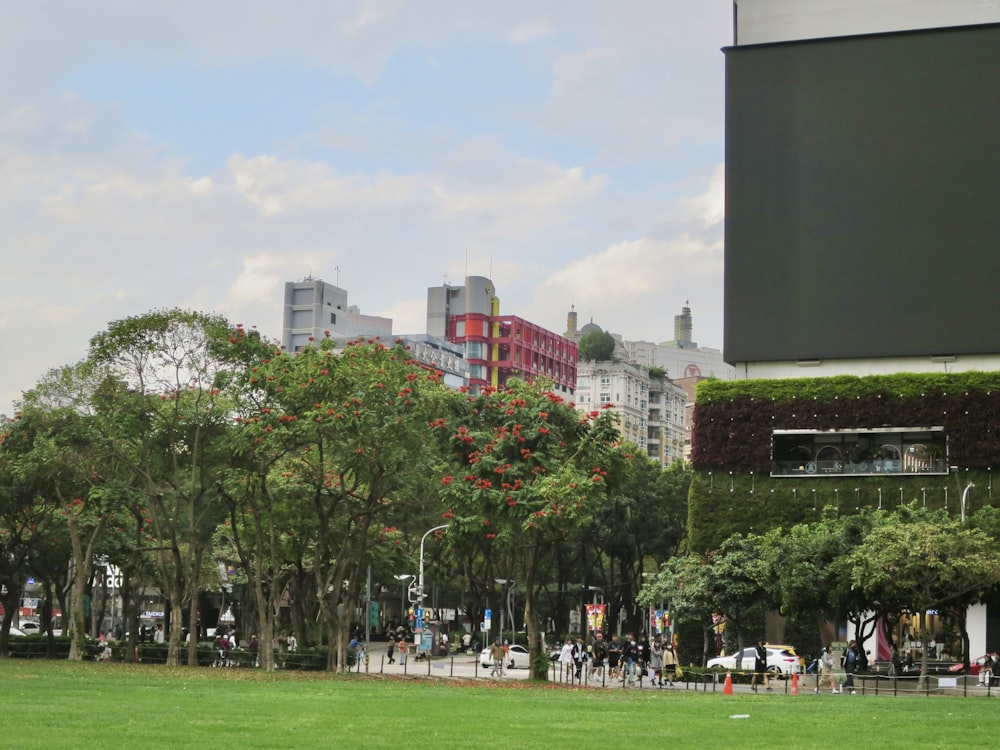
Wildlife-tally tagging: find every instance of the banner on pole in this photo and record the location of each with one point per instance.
(596, 614)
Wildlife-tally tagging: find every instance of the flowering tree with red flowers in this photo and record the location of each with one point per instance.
(524, 470)
(335, 441)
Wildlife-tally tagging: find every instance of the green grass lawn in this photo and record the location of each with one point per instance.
(46, 704)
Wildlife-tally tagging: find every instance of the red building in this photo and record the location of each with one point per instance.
(499, 347)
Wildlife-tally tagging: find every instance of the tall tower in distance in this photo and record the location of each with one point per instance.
(683, 329)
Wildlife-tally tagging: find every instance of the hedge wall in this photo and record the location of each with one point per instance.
(732, 491)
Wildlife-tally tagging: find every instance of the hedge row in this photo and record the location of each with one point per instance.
(37, 647)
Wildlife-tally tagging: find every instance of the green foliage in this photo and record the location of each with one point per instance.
(525, 468)
(924, 564)
(721, 503)
(873, 561)
(332, 441)
(596, 346)
(734, 420)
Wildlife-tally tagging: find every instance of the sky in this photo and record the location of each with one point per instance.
(198, 154)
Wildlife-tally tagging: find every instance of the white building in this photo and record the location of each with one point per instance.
(650, 409)
(314, 308)
(681, 357)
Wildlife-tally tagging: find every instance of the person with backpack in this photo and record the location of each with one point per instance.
(630, 657)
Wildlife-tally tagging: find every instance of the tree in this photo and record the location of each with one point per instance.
(160, 409)
(811, 577)
(922, 565)
(524, 467)
(338, 440)
(27, 521)
(741, 583)
(597, 346)
(685, 584)
(643, 522)
(58, 457)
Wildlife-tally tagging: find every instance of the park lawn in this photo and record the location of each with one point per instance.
(48, 704)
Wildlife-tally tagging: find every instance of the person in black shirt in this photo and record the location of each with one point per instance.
(614, 657)
(760, 667)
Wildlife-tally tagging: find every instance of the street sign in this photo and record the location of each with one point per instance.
(420, 619)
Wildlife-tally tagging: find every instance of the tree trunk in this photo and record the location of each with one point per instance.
(81, 572)
(537, 657)
(922, 681)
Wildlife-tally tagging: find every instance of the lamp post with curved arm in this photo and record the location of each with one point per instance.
(420, 581)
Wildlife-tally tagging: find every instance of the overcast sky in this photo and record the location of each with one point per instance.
(198, 154)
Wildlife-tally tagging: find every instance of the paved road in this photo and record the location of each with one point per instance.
(464, 666)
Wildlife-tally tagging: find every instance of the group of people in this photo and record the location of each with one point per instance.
(397, 644)
(852, 661)
(619, 660)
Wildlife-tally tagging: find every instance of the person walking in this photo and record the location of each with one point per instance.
(390, 648)
(404, 648)
(669, 662)
(599, 653)
(566, 661)
(630, 656)
(760, 667)
(656, 662)
(614, 657)
(895, 661)
(579, 657)
(850, 666)
(826, 671)
(497, 655)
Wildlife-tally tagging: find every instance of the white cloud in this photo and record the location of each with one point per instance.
(710, 206)
(530, 32)
(99, 222)
(408, 315)
(260, 282)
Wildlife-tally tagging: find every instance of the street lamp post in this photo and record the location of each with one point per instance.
(965, 497)
(420, 583)
(402, 578)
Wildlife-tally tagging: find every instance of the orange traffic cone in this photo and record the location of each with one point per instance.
(727, 688)
(795, 684)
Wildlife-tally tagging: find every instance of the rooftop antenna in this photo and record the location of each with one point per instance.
(337, 269)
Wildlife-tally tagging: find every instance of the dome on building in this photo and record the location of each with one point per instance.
(591, 326)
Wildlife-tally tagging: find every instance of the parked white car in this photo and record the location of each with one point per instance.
(517, 658)
(780, 660)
